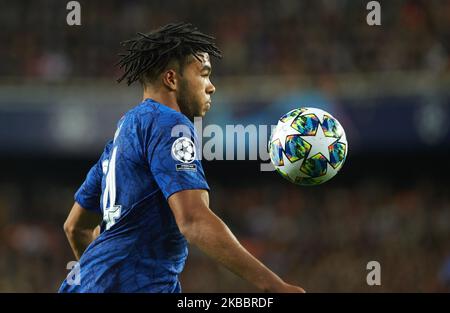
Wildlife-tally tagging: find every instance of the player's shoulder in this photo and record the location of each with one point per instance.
(150, 112)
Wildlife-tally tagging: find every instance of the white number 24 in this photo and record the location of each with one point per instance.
(111, 210)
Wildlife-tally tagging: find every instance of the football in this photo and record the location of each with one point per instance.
(308, 146)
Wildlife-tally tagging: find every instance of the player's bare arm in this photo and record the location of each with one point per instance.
(208, 232)
(81, 228)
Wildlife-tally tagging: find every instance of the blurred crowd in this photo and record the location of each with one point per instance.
(257, 37)
(321, 237)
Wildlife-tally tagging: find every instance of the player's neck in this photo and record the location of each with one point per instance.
(164, 98)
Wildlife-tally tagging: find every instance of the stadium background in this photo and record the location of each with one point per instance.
(388, 85)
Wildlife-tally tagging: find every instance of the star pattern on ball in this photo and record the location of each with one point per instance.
(319, 143)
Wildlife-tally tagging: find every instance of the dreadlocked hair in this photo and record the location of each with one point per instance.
(148, 55)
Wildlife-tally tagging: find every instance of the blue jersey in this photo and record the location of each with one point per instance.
(140, 248)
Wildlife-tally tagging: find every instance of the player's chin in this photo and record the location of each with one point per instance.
(206, 108)
(204, 111)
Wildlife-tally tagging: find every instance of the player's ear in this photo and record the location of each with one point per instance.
(169, 79)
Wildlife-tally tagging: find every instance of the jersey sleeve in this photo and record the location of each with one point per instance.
(174, 160)
(89, 193)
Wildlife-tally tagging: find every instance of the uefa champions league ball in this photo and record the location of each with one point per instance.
(308, 146)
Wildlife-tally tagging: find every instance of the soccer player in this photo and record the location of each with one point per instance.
(148, 189)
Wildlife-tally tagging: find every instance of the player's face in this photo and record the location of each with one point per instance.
(195, 88)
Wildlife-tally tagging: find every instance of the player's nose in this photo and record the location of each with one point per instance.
(210, 89)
